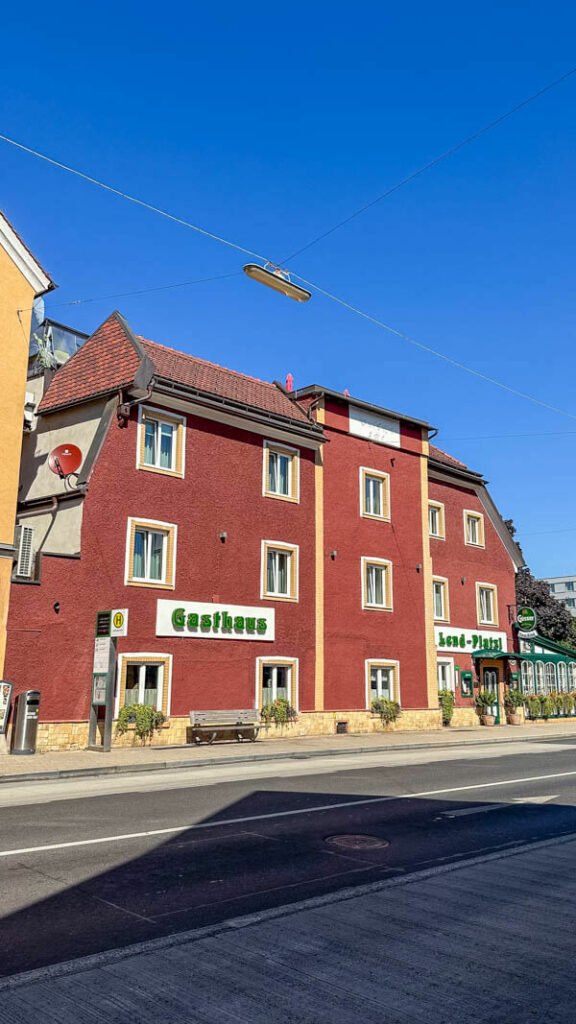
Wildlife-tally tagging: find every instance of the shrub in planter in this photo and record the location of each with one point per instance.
(484, 700)
(547, 706)
(567, 703)
(388, 710)
(279, 711)
(513, 699)
(534, 705)
(144, 718)
(446, 698)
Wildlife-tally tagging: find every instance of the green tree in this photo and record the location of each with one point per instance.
(554, 620)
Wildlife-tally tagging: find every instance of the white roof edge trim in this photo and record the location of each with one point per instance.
(22, 259)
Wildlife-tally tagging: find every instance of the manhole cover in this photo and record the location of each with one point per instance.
(357, 842)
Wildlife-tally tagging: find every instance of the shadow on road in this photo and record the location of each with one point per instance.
(264, 850)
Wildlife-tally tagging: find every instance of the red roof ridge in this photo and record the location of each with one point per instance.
(442, 456)
(206, 362)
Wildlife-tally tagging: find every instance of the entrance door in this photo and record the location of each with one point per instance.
(490, 682)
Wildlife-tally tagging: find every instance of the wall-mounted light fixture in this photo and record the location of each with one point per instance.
(333, 555)
(419, 567)
(56, 606)
(462, 580)
(223, 536)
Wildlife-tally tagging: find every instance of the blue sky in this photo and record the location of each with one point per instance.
(267, 123)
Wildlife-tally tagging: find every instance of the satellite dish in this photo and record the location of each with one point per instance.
(65, 459)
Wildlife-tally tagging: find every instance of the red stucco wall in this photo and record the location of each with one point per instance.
(354, 634)
(222, 491)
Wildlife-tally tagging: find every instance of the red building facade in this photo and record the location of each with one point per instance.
(262, 543)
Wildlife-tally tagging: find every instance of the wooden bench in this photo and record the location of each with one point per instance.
(206, 725)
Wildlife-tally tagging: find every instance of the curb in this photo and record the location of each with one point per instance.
(157, 766)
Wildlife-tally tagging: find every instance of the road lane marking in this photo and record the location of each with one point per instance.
(279, 814)
(534, 799)
(477, 809)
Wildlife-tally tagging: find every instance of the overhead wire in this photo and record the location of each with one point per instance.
(431, 351)
(431, 163)
(329, 295)
(140, 291)
(131, 199)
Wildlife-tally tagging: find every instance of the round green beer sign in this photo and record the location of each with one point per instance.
(526, 619)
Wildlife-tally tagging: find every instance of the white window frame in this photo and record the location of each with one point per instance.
(483, 585)
(445, 617)
(152, 526)
(571, 676)
(527, 676)
(550, 665)
(562, 677)
(371, 663)
(439, 506)
(148, 412)
(153, 657)
(539, 677)
(277, 660)
(386, 565)
(294, 551)
(452, 675)
(470, 513)
(293, 471)
(384, 479)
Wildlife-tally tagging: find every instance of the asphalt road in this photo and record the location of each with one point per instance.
(92, 865)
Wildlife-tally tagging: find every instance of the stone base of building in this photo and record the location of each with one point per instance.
(465, 718)
(53, 736)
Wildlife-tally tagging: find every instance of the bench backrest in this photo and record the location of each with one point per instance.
(244, 716)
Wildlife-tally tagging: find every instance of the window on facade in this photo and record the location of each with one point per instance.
(552, 587)
(374, 494)
(474, 529)
(445, 674)
(571, 602)
(550, 676)
(161, 442)
(539, 677)
(572, 676)
(281, 472)
(144, 679)
(440, 593)
(377, 584)
(151, 549)
(280, 571)
(527, 674)
(487, 602)
(562, 677)
(277, 679)
(382, 681)
(436, 519)
(570, 585)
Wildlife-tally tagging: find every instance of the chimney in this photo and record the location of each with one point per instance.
(289, 382)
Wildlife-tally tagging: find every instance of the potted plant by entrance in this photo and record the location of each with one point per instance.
(513, 699)
(485, 699)
(446, 698)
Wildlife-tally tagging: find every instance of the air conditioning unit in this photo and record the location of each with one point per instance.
(25, 560)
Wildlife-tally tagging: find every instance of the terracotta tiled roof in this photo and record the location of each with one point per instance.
(110, 358)
(105, 363)
(218, 380)
(440, 456)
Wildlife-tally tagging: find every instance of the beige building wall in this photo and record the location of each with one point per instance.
(21, 279)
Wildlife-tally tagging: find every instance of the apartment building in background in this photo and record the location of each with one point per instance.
(563, 589)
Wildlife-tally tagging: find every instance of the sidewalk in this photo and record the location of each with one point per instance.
(485, 941)
(136, 759)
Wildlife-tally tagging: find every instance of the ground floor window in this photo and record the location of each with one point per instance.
(445, 674)
(144, 679)
(562, 677)
(527, 670)
(550, 676)
(277, 679)
(382, 680)
(539, 688)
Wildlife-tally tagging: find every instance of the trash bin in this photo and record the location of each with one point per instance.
(25, 725)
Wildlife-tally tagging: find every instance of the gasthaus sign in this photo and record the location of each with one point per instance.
(214, 621)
